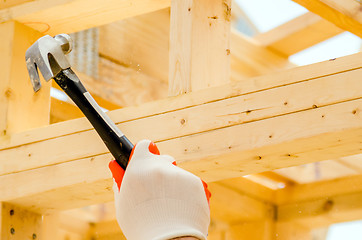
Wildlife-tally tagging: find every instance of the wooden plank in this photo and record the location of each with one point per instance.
(231, 206)
(329, 188)
(107, 230)
(61, 111)
(252, 189)
(278, 79)
(21, 109)
(50, 226)
(18, 223)
(64, 16)
(354, 162)
(124, 86)
(140, 43)
(323, 211)
(7, 4)
(300, 134)
(229, 112)
(298, 34)
(250, 59)
(199, 45)
(290, 230)
(262, 230)
(319, 171)
(343, 13)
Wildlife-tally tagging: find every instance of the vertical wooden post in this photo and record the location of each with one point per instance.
(199, 44)
(20, 107)
(267, 229)
(261, 230)
(17, 223)
(290, 230)
(50, 226)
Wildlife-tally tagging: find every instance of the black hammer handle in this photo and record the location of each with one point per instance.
(117, 143)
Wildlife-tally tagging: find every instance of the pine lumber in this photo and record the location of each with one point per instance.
(298, 34)
(199, 45)
(67, 16)
(142, 43)
(323, 211)
(317, 190)
(322, 123)
(223, 116)
(19, 223)
(345, 14)
(250, 59)
(20, 109)
(62, 111)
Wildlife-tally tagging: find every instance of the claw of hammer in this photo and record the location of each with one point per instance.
(49, 58)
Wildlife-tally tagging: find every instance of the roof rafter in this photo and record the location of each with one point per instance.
(64, 16)
(345, 14)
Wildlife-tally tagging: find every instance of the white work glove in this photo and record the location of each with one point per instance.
(156, 200)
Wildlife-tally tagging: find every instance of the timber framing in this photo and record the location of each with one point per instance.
(237, 111)
(271, 101)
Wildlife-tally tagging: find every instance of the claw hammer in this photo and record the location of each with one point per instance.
(48, 55)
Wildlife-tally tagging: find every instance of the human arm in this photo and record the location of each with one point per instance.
(157, 200)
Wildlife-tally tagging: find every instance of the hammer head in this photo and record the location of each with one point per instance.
(48, 55)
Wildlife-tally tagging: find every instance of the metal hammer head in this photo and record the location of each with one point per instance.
(48, 55)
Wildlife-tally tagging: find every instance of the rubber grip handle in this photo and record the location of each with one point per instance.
(117, 143)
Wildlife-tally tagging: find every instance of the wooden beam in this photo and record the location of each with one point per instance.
(317, 190)
(7, 4)
(126, 43)
(140, 43)
(289, 129)
(250, 59)
(125, 86)
(235, 112)
(20, 109)
(62, 111)
(309, 173)
(344, 14)
(262, 230)
(230, 206)
(18, 223)
(252, 189)
(199, 45)
(298, 34)
(64, 16)
(321, 203)
(290, 230)
(323, 211)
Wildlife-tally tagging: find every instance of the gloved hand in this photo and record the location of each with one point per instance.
(157, 200)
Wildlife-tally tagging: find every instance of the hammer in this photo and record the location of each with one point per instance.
(48, 55)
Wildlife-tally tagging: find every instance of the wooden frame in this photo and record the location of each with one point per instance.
(247, 110)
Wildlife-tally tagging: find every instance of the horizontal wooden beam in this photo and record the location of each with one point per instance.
(67, 16)
(285, 119)
(321, 203)
(250, 59)
(323, 211)
(232, 206)
(61, 111)
(344, 14)
(141, 43)
(298, 34)
(306, 192)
